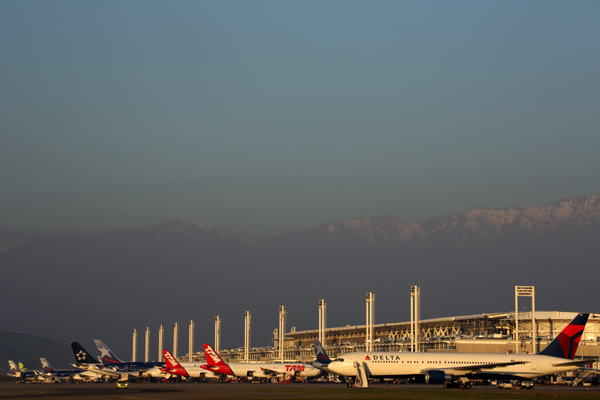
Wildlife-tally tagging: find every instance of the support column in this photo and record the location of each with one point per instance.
(370, 329)
(247, 336)
(134, 352)
(322, 321)
(218, 334)
(282, 316)
(175, 339)
(161, 333)
(415, 315)
(147, 346)
(191, 341)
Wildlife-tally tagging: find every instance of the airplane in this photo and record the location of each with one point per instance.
(21, 371)
(323, 359)
(256, 370)
(189, 369)
(85, 361)
(78, 374)
(459, 369)
(142, 369)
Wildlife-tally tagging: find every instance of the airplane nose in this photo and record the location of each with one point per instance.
(336, 367)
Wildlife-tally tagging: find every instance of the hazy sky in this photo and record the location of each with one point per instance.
(261, 117)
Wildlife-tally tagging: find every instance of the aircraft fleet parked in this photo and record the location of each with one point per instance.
(453, 369)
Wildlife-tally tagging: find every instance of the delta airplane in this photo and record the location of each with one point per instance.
(256, 370)
(143, 369)
(458, 370)
(189, 369)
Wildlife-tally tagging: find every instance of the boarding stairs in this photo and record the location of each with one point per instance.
(362, 378)
(582, 376)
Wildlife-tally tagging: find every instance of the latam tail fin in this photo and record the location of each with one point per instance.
(107, 356)
(81, 355)
(322, 356)
(172, 365)
(46, 365)
(212, 358)
(13, 366)
(565, 344)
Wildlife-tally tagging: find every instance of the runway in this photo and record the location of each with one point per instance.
(151, 391)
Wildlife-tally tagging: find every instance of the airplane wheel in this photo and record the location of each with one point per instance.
(468, 385)
(461, 385)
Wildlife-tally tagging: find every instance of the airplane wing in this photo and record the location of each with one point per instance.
(270, 371)
(574, 363)
(473, 368)
(104, 371)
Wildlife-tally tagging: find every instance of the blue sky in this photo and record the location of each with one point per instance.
(265, 117)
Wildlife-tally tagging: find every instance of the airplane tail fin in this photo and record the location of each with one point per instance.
(46, 365)
(13, 366)
(565, 344)
(322, 356)
(212, 358)
(107, 356)
(22, 367)
(173, 366)
(81, 355)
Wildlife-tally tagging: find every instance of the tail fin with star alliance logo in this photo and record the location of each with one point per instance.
(81, 355)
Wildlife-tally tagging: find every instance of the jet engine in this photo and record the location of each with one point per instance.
(436, 377)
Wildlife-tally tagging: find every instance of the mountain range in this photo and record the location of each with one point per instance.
(83, 287)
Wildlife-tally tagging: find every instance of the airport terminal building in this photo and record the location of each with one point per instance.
(480, 333)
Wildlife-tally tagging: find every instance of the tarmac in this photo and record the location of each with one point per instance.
(152, 391)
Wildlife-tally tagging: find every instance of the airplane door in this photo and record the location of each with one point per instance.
(534, 365)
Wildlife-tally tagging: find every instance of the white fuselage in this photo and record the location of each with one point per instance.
(400, 364)
(195, 370)
(266, 370)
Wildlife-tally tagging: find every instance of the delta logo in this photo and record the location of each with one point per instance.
(367, 358)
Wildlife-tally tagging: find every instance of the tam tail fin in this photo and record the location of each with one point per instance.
(81, 355)
(46, 365)
(212, 358)
(172, 365)
(565, 344)
(322, 356)
(170, 361)
(106, 355)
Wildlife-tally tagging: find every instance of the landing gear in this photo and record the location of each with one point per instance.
(459, 385)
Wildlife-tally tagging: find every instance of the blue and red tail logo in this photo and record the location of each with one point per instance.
(566, 343)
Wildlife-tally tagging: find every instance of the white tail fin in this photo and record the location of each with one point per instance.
(46, 365)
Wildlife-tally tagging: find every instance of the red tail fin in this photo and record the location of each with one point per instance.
(214, 362)
(172, 366)
(212, 358)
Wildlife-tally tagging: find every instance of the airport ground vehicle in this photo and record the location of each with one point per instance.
(122, 384)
